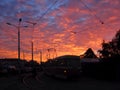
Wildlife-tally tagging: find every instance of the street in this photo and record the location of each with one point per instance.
(43, 82)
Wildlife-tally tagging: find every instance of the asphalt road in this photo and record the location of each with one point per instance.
(43, 82)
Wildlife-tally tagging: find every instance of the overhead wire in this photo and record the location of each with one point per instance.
(40, 17)
(106, 25)
(92, 12)
(49, 8)
(37, 21)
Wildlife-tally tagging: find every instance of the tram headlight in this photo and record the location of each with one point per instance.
(65, 71)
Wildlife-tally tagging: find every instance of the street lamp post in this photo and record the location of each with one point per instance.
(19, 39)
(18, 27)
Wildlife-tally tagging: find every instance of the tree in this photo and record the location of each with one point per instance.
(116, 43)
(112, 48)
(105, 52)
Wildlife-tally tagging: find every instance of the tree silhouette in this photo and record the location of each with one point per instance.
(112, 48)
(116, 43)
(105, 52)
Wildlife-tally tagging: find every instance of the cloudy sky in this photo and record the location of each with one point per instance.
(69, 26)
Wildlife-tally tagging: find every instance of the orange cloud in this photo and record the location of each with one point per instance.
(69, 26)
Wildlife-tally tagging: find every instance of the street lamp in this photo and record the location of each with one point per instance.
(18, 27)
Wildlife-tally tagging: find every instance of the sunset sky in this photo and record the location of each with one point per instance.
(69, 26)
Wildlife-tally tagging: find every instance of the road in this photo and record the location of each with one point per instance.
(43, 82)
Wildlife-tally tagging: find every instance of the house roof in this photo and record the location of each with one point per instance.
(89, 54)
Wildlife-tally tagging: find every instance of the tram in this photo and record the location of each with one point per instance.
(68, 66)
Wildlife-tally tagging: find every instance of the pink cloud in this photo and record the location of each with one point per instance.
(57, 26)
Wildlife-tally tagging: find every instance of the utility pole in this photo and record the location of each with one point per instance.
(48, 53)
(32, 43)
(23, 55)
(32, 49)
(40, 57)
(55, 51)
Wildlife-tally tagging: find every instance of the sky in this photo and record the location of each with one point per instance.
(62, 26)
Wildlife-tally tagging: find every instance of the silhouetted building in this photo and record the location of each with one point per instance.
(12, 62)
(89, 56)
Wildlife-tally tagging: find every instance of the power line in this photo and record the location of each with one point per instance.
(47, 10)
(92, 12)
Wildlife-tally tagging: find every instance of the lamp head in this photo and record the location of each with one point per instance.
(20, 19)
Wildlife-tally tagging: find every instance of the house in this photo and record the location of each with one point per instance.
(89, 56)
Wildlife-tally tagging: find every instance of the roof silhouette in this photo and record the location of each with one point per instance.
(89, 54)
